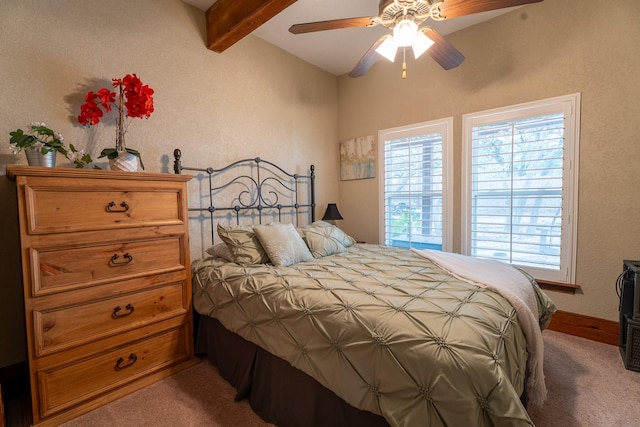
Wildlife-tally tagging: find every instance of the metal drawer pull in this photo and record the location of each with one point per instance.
(116, 311)
(127, 259)
(124, 207)
(119, 363)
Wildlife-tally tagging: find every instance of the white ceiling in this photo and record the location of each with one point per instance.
(337, 51)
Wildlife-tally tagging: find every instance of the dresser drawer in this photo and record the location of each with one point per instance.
(60, 269)
(69, 385)
(79, 205)
(62, 328)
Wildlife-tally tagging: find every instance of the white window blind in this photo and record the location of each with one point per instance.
(413, 196)
(520, 187)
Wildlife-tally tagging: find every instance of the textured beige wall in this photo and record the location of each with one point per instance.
(252, 100)
(547, 49)
(256, 100)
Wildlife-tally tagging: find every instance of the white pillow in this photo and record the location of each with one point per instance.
(282, 243)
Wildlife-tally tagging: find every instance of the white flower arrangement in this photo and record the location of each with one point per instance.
(45, 140)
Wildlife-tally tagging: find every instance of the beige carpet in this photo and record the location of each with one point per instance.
(195, 397)
(588, 387)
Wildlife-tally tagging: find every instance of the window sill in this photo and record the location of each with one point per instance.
(569, 288)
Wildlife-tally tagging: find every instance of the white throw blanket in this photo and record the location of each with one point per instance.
(515, 288)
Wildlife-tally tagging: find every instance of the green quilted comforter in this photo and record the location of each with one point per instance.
(387, 330)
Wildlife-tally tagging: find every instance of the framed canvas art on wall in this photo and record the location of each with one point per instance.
(358, 158)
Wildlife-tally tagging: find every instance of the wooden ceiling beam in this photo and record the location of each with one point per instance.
(228, 21)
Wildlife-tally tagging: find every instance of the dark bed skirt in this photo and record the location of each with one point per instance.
(278, 392)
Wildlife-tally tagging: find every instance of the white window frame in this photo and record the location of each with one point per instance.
(570, 106)
(444, 126)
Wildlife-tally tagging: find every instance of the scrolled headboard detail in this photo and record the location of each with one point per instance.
(254, 187)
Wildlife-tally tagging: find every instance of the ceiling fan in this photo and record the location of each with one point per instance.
(404, 18)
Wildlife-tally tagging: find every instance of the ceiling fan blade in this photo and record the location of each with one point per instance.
(368, 59)
(454, 8)
(334, 24)
(442, 51)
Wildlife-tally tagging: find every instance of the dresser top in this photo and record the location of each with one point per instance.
(13, 171)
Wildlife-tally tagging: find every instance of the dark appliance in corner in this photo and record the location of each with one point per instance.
(628, 288)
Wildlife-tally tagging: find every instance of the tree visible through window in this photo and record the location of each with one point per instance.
(520, 186)
(414, 200)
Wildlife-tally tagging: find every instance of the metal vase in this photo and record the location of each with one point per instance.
(36, 158)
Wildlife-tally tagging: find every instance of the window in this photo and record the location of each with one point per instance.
(414, 186)
(520, 179)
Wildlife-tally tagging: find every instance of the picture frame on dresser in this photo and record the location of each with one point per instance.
(107, 284)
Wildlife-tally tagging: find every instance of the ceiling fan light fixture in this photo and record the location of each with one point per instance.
(388, 48)
(421, 44)
(404, 18)
(405, 33)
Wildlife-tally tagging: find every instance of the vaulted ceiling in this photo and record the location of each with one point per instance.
(335, 51)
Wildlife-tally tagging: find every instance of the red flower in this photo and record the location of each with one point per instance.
(90, 96)
(106, 98)
(135, 97)
(130, 82)
(139, 101)
(90, 113)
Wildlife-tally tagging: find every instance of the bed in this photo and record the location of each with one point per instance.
(316, 329)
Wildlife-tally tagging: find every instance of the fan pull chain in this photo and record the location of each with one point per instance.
(404, 63)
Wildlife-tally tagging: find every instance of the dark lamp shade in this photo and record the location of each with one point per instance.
(332, 213)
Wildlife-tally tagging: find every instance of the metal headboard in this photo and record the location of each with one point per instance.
(262, 189)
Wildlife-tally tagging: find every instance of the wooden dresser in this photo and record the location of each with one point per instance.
(107, 285)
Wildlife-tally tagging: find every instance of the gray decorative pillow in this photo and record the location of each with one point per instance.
(221, 250)
(283, 244)
(324, 241)
(243, 244)
(338, 234)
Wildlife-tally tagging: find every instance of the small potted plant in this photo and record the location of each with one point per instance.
(134, 100)
(40, 144)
